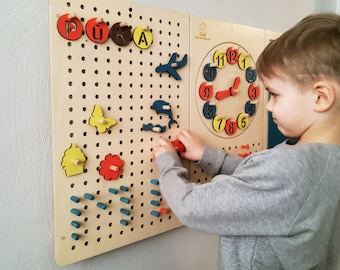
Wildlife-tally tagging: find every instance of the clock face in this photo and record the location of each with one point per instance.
(227, 90)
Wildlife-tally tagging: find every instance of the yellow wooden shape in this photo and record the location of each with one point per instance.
(142, 36)
(73, 161)
(98, 120)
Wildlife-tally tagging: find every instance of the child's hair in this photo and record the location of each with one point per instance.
(308, 52)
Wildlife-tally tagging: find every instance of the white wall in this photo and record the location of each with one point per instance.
(26, 187)
(325, 5)
(272, 15)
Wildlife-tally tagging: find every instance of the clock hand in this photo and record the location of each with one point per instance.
(234, 88)
(232, 91)
(223, 94)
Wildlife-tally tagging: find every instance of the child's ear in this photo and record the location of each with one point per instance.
(324, 96)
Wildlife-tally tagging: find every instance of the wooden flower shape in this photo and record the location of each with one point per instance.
(111, 167)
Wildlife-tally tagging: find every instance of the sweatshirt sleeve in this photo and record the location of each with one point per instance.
(216, 161)
(235, 204)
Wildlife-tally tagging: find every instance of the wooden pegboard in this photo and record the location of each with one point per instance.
(94, 215)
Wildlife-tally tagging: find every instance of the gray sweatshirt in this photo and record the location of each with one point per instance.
(275, 209)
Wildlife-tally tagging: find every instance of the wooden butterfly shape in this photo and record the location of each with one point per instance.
(98, 120)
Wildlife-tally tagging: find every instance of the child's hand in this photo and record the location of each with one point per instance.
(163, 146)
(194, 146)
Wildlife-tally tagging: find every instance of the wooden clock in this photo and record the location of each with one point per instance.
(227, 90)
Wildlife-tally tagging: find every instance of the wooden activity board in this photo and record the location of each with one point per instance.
(124, 74)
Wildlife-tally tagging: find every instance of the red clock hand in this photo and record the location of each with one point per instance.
(234, 88)
(232, 91)
(223, 94)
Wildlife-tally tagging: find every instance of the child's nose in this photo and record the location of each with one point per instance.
(269, 106)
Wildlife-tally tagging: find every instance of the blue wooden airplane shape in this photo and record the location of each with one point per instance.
(172, 65)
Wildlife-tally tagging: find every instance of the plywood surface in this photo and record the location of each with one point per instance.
(94, 215)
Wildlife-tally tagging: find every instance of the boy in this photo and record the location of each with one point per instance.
(279, 208)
